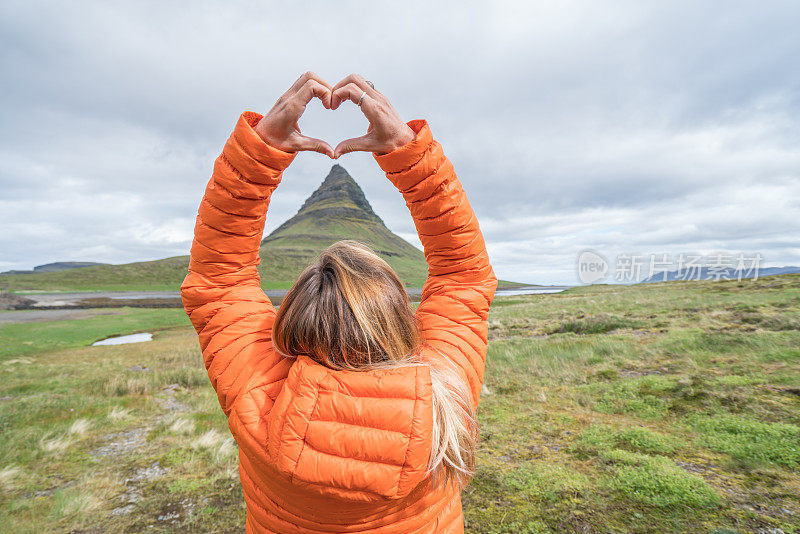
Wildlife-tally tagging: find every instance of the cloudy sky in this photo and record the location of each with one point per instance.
(621, 127)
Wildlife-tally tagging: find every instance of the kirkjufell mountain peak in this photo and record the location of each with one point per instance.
(339, 210)
(339, 188)
(338, 196)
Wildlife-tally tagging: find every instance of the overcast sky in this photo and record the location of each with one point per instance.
(622, 127)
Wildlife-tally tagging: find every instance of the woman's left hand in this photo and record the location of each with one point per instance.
(279, 127)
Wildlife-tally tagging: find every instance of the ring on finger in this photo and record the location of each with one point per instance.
(361, 98)
(370, 84)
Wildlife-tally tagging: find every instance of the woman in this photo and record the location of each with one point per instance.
(351, 413)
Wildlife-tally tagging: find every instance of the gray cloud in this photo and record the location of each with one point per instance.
(625, 126)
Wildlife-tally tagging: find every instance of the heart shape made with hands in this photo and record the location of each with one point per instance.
(386, 131)
(318, 121)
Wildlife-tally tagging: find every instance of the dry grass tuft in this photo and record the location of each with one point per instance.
(232, 472)
(9, 476)
(17, 360)
(59, 444)
(80, 427)
(182, 426)
(118, 413)
(73, 503)
(118, 386)
(209, 440)
(225, 451)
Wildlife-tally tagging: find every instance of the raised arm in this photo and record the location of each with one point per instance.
(222, 292)
(461, 284)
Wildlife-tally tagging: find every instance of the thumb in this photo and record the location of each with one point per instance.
(365, 143)
(315, 145)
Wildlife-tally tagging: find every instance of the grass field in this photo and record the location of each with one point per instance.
(656, 408)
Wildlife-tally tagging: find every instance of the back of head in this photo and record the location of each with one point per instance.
(347, 310)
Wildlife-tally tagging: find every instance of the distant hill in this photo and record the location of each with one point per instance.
(707, 273)
(57, 266)
(337, 210)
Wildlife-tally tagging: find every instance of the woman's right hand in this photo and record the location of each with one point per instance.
(386, 132)
(278, 127)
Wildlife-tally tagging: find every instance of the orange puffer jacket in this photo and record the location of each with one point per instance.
(323, 450)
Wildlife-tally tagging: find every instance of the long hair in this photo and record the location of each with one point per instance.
(349, 310)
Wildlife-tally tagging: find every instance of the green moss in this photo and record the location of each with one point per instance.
(187, 485)
(634, 438)
(546, 482)
(750, 441)
(657, 481)
(641, 439)
(641, 396)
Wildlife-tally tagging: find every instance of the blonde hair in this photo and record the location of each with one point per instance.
(349, 310)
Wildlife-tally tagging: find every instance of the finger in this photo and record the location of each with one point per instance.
(360, 87)
(352, 92)
(309, 75)
(360, 82)
(365, 143)
(315, 145)
(311, 89)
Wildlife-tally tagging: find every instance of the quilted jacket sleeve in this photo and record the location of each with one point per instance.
(461, 283)
(222, 292)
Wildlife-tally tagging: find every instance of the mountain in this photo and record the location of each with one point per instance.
(337, 210)
(57, 266)
(63, 265)
(707, 273)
